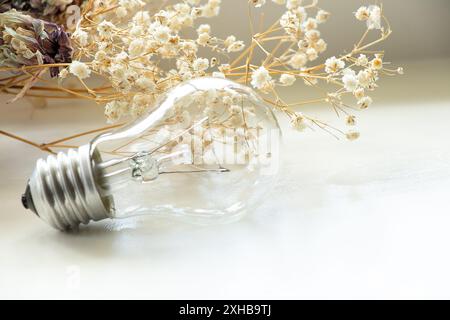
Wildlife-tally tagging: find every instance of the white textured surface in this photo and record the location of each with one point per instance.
(368, 219)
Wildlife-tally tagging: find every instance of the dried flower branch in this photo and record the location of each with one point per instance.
(143, 54)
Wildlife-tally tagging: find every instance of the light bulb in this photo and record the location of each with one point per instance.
(206, 151)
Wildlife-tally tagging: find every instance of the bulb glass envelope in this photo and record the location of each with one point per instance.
(207, 150)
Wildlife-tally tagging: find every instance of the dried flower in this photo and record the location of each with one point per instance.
(362, 60)
(79, 69)
(350, 81)
(200, 64)
(374, 21)
(333, 65)
(49, 10)
(106, 28)
(350, 120)
(298, 60)
(362, 14)
(141, 54)
(322, 16)
(359, 93)
(377, 63)
(352, 135)
(114, 110)
(372, 15)
(365, 102)
(287, 79)
(299, 122)
(26, 41)
(364, 78)
(261, 78)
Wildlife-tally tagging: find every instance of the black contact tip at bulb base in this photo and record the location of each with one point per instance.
(27, 200)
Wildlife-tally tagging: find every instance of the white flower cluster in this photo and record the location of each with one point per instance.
(261, 79)
(143, 54)
(129, 53)
(354, 81)
(302, 29)
(79, 69)
(371, 14)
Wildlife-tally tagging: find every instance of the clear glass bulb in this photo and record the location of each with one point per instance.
(207, 151)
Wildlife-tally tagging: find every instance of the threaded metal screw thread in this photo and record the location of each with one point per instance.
(63, 190)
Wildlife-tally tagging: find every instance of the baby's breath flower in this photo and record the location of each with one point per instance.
(350, 81)
(377, 63)
(105, 28)
(374, 21)
(100, 56)
(204, 28)
(229, 41)
(63, 73)
(136, 47)
(140, 104)
(293, 4)
(121, 12)
(310, 24)
(333, 65)
(362, 60)
(298, 60)
(258, 3)
(145, 84)
(299, 122)
(211, 9)
(81, 37)
(320, 45)
(322, 16)
(131, 4)
(162, 34)
(365, 102)
(218, 75)
(362, 14)
(236, 46)
(261, 78)
(359, 93)
(200, 64)
(312, 54)
(114, 110)
(352, 135)
(350, 120)
(290, 22)
(203, 39)
(79, 69)
(312, 35)
(372, 15)
(364, 78)
(287, 79)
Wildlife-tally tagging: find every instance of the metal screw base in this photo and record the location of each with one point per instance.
(63, 192)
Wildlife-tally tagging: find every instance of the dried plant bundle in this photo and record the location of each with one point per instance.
(142, 53)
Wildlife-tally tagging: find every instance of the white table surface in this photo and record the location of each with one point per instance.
(368, 219)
